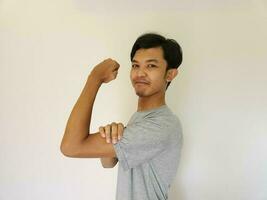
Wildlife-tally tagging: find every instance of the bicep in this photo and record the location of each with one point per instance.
(94, 146)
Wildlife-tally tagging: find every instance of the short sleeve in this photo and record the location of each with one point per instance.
(141, 141)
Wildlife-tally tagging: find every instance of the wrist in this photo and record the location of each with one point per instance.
(95, 79)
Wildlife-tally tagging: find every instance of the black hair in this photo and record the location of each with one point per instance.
(172, 51)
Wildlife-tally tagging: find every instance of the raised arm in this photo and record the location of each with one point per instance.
(77, 140)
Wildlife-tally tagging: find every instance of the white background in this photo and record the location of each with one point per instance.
(48, 48)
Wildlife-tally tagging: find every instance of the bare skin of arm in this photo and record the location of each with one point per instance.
(77, 141)
(109, 162)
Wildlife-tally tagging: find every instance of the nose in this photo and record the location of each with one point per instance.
(140, 72)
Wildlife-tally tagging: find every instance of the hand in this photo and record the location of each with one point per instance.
(112, 131)
(105, 71)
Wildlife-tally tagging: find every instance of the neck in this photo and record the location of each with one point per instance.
(147, 103)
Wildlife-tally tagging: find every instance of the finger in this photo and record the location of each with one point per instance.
(116, 65)
(115, 73)
(114, 132)
(102, 131)
(115, 70)
(107, 131)
(114, 76)
(120, 130)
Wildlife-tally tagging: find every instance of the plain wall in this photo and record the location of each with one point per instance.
(47, 50)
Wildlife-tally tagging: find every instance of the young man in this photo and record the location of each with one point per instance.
(149, 149)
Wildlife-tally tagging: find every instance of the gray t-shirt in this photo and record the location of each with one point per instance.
(148, 154)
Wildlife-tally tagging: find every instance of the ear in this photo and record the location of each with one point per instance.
(171, 74)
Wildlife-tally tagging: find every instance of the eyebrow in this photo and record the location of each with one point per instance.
(149, 60)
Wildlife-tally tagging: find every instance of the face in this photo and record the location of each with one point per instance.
(148, 72)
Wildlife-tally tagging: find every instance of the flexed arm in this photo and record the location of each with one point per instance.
(77, 140)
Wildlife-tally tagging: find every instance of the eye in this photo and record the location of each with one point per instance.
(134, 65)
(151, 65)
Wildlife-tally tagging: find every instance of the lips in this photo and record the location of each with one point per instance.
(141, 82)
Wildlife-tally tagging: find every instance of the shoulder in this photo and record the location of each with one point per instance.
(164, 117)
(158, 120)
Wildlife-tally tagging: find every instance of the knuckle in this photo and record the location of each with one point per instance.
(120, 124)
(121, 127)
(107, 126)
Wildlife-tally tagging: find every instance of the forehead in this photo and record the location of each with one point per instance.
(154, 54)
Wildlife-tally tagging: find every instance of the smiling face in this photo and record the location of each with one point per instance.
(148, 72)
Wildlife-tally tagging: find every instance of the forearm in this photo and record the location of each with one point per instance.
(78, 124)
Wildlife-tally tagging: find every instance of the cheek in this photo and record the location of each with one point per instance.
(131, 75)
(157, 82)
(157, 78)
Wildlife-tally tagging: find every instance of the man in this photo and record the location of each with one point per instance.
(149, 148)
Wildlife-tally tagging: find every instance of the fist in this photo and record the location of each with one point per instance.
(106, 71)
(113, 131)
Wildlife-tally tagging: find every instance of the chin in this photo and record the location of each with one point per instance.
(140, 93)
(143, 93)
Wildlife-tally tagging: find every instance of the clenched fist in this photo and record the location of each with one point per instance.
(113, 131)
(105, 71)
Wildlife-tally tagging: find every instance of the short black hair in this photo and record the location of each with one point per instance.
(172, 51)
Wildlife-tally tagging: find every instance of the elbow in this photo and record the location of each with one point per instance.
(109, 162)
(66, 151)
(107, 166)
